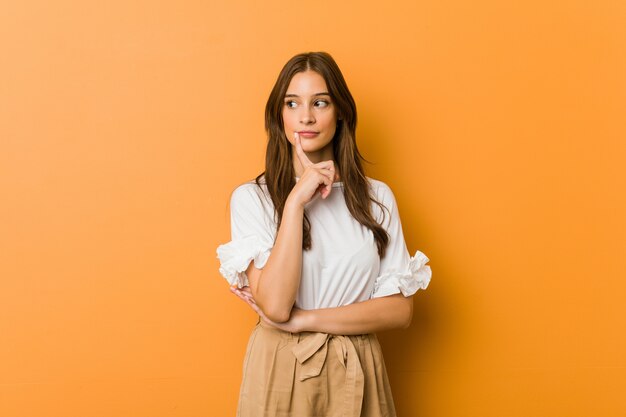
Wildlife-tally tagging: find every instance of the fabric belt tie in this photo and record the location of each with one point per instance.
(311, 354)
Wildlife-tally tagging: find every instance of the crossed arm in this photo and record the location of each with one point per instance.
(378, 314)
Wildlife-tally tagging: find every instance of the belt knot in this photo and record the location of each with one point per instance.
(311, 353)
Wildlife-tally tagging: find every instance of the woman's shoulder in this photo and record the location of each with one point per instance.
(251, 192)
(380, 188)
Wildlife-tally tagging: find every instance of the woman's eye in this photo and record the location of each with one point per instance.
(319, 103)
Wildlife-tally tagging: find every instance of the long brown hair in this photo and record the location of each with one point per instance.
(279, 171)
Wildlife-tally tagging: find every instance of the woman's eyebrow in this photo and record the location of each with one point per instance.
(316, 94)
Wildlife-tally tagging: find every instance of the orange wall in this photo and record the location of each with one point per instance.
(125, 125)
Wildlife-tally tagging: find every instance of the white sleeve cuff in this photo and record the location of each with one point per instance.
(236, 255)
(416, 276)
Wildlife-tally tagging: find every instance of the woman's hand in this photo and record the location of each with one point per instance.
(314, 178)
(297, 319)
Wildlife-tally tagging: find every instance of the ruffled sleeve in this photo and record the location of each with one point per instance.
(252, 234)
(399, 272)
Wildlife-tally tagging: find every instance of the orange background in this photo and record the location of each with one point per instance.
(125, 125)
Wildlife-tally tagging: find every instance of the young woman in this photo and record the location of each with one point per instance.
(317, 250)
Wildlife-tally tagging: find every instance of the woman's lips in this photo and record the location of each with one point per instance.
(308, 134)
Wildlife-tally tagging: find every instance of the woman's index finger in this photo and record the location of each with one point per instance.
(304, 160)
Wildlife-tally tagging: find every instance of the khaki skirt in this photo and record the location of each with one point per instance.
(311, 374)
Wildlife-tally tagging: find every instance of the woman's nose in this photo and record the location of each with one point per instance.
(307, 116)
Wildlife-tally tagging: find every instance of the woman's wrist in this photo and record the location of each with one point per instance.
(293, 203)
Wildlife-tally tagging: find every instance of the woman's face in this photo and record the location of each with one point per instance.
(307, 107)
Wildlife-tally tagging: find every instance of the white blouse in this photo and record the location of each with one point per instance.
(342, 267)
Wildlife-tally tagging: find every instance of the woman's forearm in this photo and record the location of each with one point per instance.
(277, 286)
(378, 314)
